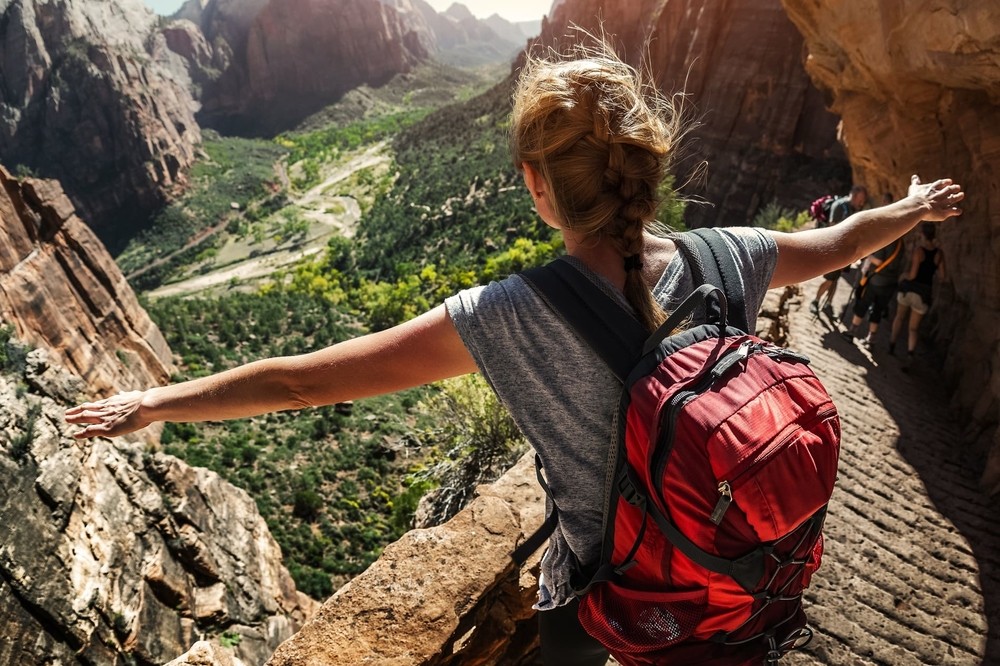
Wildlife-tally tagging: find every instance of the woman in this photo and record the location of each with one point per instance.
(914, 297)
(593, 142)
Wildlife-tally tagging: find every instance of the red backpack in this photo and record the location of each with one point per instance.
(726, 456)
(820, 209)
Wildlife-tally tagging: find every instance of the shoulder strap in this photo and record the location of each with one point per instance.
(712, 263)
(878, 269)
(611, 331)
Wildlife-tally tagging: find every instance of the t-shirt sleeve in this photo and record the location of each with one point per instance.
(756, 255)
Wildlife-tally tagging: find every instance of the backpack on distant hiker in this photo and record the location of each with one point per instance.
(723, 460)
(820, 209)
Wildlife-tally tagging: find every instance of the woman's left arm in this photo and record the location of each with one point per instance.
(419, 351)
(806, 254)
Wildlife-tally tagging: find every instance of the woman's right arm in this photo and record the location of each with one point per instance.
(417, 352)
(805, 254)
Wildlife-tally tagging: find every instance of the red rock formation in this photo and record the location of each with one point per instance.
(764, 131)
(917, 84)
(61, 291)
(284, 59)
(84, 102)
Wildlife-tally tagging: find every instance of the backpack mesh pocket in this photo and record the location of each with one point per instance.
(634, 622)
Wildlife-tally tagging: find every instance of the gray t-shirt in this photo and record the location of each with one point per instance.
(562, 396)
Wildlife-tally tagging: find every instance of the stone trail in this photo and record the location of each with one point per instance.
(911, 572)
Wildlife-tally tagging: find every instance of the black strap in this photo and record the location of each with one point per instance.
(711, 261)
(545, 530)
(611, 331)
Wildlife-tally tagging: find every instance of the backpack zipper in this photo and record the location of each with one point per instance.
(725, 499)
(726, 487)
(745, 350)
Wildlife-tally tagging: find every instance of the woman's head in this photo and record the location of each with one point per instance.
(602, 139)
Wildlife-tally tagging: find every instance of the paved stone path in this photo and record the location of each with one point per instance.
(911, 573)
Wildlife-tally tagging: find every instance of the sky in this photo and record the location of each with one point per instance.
(512, 10)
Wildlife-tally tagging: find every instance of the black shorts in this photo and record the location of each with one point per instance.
(873, 298)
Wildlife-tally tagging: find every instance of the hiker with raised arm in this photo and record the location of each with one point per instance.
(593, 141)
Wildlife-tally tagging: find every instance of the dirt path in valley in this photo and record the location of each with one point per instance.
(329, 212)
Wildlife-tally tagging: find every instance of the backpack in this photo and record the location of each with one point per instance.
(820, 209)
(724, 455)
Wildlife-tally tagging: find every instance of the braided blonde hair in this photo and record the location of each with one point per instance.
(601, 137)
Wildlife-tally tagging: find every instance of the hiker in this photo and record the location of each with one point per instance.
(914, 297)
(876, 287)
(840, 210)
(593, 142)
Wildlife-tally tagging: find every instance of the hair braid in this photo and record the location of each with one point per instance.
(602, 139)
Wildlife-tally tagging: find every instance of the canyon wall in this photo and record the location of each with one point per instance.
(760, 125)
(274, 62)
(92, 98)
(917, 84)
(61, 291)
(110, 553)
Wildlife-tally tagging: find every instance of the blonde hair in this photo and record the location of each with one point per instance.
(602, 138)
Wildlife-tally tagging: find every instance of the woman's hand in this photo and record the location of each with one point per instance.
(111, 417)
(940, 198)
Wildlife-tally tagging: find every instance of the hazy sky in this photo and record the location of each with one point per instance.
(512, 10)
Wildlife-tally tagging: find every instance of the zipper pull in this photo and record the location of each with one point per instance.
(725, 499)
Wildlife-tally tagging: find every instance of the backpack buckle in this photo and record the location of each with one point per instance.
(628, 491)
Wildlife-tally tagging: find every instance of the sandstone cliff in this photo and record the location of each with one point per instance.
(88, 98)
(61, 291)
(108, 554)
(277, 61)
(917, 85)
(115, 556)
(764, 131)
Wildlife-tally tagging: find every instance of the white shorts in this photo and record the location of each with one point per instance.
(912, 299)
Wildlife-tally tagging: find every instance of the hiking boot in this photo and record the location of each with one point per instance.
(908, 363)
(814, 307)
(848, 335)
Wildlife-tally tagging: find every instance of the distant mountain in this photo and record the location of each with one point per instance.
(274, 62)
(458, 38)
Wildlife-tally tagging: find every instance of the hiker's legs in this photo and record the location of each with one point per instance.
(881, 296)
(859, 313)
(911, 341)
(902, 315)
(564, 642)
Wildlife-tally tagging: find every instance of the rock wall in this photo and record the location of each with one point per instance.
(61, 291)
(88, 99)
(111, 555)
(444, 596)
(762, 126)
(917, 84)
(278, 61)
